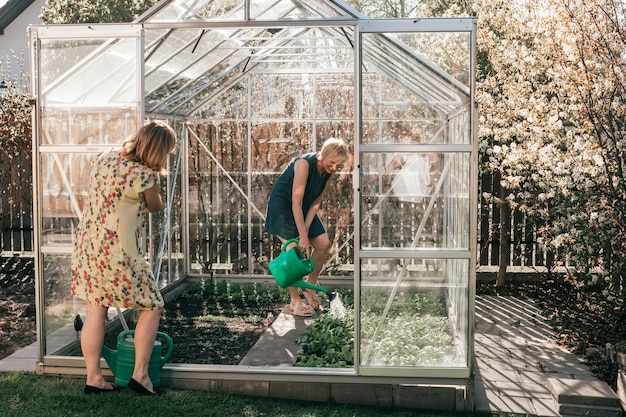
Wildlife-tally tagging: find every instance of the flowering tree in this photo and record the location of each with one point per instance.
(551, 96)
(588, 50)
(521, 113)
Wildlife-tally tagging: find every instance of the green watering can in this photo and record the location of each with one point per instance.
(291, 266)
(122, 360)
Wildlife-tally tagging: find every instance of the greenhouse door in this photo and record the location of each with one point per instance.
(88, 81)
(416, 179)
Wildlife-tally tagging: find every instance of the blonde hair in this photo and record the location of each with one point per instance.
(151, 145)
(334, 146)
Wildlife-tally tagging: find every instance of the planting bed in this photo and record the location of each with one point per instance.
(217, 323)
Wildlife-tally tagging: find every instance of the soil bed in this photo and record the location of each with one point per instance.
(208, 331)
(17, 304)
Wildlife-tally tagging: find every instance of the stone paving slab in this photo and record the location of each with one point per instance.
(277, 346)
(515, 359)
(570, 391)
(23, 360)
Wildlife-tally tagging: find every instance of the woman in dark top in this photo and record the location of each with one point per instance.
(292, 211)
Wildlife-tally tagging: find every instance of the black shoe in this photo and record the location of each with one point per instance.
(90, 389)
(139, 389)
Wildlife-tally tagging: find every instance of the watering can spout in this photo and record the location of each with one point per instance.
(304, 284)
(291, 266)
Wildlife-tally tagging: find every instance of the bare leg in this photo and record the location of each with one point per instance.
(296, 305)
(91, 341)
(145, 334)
(321, 246)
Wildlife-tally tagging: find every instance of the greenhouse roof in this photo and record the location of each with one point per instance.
(196, 50)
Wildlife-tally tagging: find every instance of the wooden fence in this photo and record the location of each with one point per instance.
(16, 196)
(515, 242)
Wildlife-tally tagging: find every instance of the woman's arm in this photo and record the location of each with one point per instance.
(310, 214)
(300, 177)
(153, 199)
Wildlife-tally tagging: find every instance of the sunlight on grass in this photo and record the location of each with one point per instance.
(47, 396)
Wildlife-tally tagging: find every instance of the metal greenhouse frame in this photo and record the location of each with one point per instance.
(248, 85)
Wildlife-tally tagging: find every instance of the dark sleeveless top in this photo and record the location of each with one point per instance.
(279, 219)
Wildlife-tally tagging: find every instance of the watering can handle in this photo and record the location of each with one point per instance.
(122, 335)
(288, 242)
(170, 344)
(170, 347)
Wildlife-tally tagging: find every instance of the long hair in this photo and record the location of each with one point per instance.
(151, 145)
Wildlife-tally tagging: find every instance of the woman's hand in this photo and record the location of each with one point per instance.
(304, 245)
(153, 199)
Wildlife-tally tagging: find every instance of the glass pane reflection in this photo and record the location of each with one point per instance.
(414, 312)
(415, 200)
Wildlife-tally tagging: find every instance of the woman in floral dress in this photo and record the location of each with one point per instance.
(108, 268)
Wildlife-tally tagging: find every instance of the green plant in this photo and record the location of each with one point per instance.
(328, 342)
(414, 332)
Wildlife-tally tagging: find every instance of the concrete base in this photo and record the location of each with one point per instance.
(415, 396)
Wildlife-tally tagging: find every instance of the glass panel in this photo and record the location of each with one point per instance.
(189, 67)
(64, 193)
(271, 10)
(178, 57)
(274, 144)
(450, 51)
(54, 54)
(165, 242)
(293, 10)
(415, 200)
(60, 307)
(408, 99)
(86, 126)
(335, 96)
(336, 129)
(414, 312)
(107, 76)
(181, 10)
(219, 209)
(218, 198)
(281, 95)
(317, 49)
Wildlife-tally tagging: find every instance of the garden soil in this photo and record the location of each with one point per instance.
(584, 320)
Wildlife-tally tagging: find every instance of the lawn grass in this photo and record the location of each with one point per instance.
(33, 396)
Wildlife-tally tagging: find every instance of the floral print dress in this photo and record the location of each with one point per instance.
(108, 268)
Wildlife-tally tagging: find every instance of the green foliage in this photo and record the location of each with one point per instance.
(211, 297)
(93, 11)
(408, 339)
(375, 302)
(328, 342)
(414, 332)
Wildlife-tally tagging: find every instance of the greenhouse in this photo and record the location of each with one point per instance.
(248, 85)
